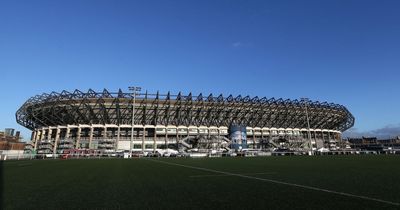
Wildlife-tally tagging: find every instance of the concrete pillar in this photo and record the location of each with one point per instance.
(49, 133)
(42, 132)
(56, 141)
(218, 137)
(143, 135)
(177, 138)
(33, 136)
(104, 136)
(155, 140)
(37, 134)
(42, 135)
(91, 136)
(37, 138)
(118, 136)
(269, 139)
(322, 138)
(78, 138)
(254, 139)
(166, 138)
(261, 139)
(67, 133)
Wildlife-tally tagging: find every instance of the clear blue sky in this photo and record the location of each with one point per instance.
(347, 52)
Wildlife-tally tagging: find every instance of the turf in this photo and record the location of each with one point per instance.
(148, 184)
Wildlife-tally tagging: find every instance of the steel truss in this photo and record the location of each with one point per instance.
(106, 107)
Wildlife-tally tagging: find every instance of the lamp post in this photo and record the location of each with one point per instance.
(135, 90)
(305, 101)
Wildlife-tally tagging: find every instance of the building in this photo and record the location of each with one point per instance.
(9, 141)
(105, 121)
(373, 143)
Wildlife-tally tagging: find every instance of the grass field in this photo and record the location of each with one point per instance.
(300, 182)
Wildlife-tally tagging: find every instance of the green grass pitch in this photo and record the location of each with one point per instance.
(172, 184)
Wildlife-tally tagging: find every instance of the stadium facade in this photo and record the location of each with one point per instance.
(105, 121)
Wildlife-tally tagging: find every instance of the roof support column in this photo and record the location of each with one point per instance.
(36, 138)
(67, 134)
(177, 138)
(56, 142)
(105, 136)
(269, 140)
(90, 136)
(118, 136)
(143, 135)
(33, 136)
(155, 140)
(50, 131)
(218, 137)
(105, 139)
(42, 132)
(254, 139)
(78, 138)
(166, 139)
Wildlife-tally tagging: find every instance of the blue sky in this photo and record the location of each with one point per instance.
(347, 52)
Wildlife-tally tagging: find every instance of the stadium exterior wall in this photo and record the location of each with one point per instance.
(101, 121)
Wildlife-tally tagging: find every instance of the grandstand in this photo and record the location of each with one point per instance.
(136, 121)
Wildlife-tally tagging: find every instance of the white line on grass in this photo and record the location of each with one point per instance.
(282, 183)
(212, 175)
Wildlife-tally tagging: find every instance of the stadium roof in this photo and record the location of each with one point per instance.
(106, 107)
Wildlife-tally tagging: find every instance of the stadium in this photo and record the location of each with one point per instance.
(107, 122)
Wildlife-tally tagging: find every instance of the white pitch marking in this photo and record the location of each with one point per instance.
(212, 175)
(283, 183)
